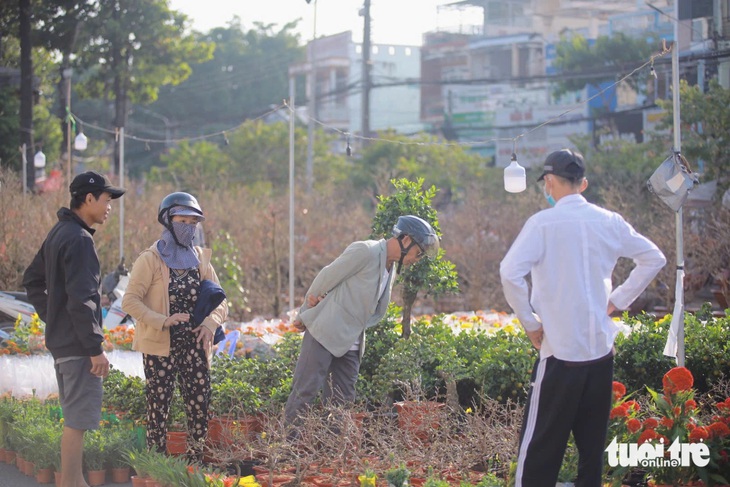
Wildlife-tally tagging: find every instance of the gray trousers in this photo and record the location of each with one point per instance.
(318, 370)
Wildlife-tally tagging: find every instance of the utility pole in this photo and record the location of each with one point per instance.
(366, 72)
(26, 91)
(312, 109)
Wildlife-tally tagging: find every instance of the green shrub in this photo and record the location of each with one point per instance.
(503, 369)
(639, 360)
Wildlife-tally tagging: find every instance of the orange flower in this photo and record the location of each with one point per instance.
(633, 425)
(619, 390)
(677, 379)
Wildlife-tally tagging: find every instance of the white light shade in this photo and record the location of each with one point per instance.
(39, 160)
(80, 141)
(515, 180)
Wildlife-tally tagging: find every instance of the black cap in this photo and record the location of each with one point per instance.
(564, 163)
(91, 182)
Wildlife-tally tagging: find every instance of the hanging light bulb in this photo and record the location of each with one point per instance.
(39, 160)
(515, 180)
(80, 142)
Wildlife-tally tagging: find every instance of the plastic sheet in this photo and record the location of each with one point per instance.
(23, 376)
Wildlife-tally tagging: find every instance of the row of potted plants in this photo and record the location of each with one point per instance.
(30, 437)
(337, 446)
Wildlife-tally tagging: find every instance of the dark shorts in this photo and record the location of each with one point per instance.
(80, 394)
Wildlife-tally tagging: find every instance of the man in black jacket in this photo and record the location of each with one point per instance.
(63, 284)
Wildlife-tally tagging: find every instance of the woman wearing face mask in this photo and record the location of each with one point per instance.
(163, 288)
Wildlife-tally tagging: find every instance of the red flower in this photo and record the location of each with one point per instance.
(677, 379)
(619, 390)
(647, 435)
(690, 404)
(719, 430)
(722, 406)
(633, 406)
(699, 434)
(650, 423)
(619, 412)
(633, 425)
(667, 423)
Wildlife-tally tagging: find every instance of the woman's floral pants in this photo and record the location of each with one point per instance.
(188, 365)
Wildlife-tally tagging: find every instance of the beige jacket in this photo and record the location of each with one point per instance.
(147, 300)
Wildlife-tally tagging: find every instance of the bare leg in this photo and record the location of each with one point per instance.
(72, 450)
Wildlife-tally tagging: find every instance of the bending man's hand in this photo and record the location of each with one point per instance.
(100, 365)
(313, 301)
(298, 325)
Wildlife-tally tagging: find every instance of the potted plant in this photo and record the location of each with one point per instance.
(398, 476)
(95, 457)
(367, 478)
(137, 459)
(120, 442)
(46, 441)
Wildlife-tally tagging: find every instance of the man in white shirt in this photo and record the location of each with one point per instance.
(570, 252)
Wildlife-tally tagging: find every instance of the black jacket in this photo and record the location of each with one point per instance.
(63, 283)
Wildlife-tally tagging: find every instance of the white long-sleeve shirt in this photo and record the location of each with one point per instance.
(570, 252)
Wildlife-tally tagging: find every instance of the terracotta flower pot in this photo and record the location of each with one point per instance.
(120, 475)
(227, 431)
(138, 481)
(96, 477)
(418, 417)
(29, 469)
(44, 475)
(10, 457)
(57, 478)
(176, 442)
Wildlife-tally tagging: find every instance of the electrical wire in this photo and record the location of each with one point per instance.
(344, 133)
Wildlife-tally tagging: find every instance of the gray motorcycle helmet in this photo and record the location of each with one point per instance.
(420, 231)
(177, 199)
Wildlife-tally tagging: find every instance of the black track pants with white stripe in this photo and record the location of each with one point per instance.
(565, 397)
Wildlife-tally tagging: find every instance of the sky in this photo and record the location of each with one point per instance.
(400, 22)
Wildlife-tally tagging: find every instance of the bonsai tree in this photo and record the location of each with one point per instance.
(434, 275)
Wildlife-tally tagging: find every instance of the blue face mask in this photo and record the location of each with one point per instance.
(548, 197)
(185, 232)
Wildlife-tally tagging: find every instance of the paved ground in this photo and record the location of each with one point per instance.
(10, 476)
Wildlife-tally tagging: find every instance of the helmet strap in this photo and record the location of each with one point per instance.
(404, 250)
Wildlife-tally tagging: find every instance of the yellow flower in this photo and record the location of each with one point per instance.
(248, 481)
(468, 411)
